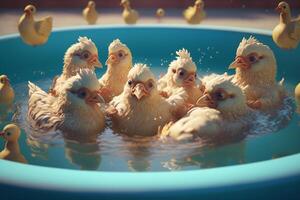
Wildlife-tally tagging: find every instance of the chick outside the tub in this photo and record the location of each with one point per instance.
(90, 13)
(195, 14)
(11, 151)
(130, 16)
(219, 115)
(140, 110)
(256, 68)
(76, 110)
(81, 55)
(182, 73)
(119, 62)
(34, 32)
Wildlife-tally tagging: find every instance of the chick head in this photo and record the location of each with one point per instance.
(160, 12)
(283, 7)
(254, 56)
(91, 4)
(222, 94)
(82, 90)
(11, 133)
(119, 54)
(199, 4)
(141, 82)
(183, 70)
(30, 10)
(4, 80)
(83, 54)
(125, 3)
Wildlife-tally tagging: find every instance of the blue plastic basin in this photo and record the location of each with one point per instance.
(276, 179)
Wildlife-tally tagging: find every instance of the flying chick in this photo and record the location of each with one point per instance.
(90, 13)
(129, 15)
(182, 73)
(11, 151)
(34, 32)
(81, 55)
(256, 68)
(287, 33)
(140, 110)
(219, 114)
(75, 110)
(195, 14)
(119, 62)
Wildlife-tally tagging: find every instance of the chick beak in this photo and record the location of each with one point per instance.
(190, 80)
(112, 59)
(1, 134)
(207, 100)
(95, 61)
(94, 98)
(139, 91)
(240, 62)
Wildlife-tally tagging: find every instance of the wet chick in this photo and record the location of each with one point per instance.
(119, 62)
(76, 110)
(256, 68)
(219, 115)
(182, 73)
(195, 14)
(140, 110)
(90, 13)
(11, 151)
(287, 33)
(34, 32)
(81, 55)
(129, 15)
(7, 94)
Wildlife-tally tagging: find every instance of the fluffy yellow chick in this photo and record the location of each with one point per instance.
(256, 68)
(160, 13)
(11, 151)
(7, 94)
(297, 92)
(140, 110)
(34, 32)
(81, 55)
(75, 110)
(182, 73)
(129, 15)
(90, 13)
(287, 33)
(195, 14)
(119, 62)
(219, 117)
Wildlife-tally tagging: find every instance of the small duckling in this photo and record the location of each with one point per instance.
(139, 109)
(34, 32)
(119, 62)
(195, 14)
(287, 33)
(256, 68)
(160, 13)
(81, 55)
(129, 15)
(7, 94)
(76, 110)
(182, 73)
(297, 92)
(11, 134)
(219, 115)
(90, 13)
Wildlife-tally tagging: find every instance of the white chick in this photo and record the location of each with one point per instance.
(287, 33)
(90, 13)
(83, 54)
(74, 111)
(11, 151)
(140, 110)
(219, 117)
(129, 15)
(182, 73)
(7, 94)
(34, 32)
(119, 62)
(256, 68)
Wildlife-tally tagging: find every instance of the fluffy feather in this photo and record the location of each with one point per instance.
(195, 14)
(90, 13)
(129, 15)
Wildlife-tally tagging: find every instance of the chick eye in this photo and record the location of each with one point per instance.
(181, 73)
(130, 82)
(220, 95)
(82, 94)
(252, 58)
(8, 133)
(174, 71)
(284, 7)
(120, 54)
(86, 55)
(2, 81)
(150, 84)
